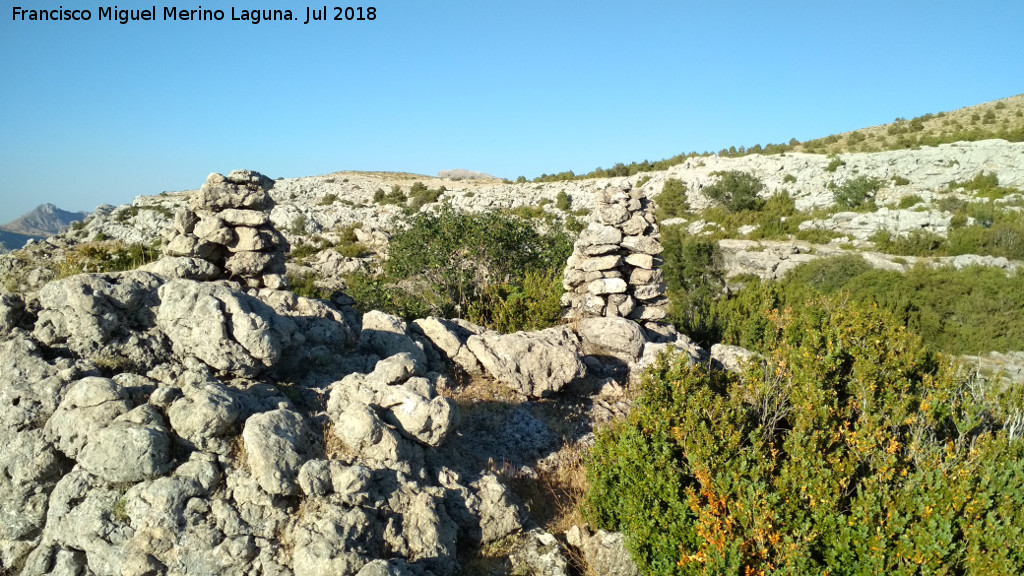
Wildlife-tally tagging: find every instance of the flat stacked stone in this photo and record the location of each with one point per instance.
(615, 270)
(227, 224)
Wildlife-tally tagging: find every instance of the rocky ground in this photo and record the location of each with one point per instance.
(194, 417)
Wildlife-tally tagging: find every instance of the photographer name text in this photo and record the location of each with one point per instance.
(309, 15)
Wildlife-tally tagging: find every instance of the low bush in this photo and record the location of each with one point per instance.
(736, 190)
(693, 274)
(420, 195)
(105, 256)
(851, 449)
(834, 162)
(395, 196)
(909, 201)
(969, 311)
(857, 193)
(493, 267)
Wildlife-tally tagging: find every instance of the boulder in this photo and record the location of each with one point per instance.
(228, 330)
(534, 364)
(276, 446)
(135, 447)
(387, 335)
(90, 405)
(611, 336)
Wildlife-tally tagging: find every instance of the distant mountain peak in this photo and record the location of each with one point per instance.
(42, 221)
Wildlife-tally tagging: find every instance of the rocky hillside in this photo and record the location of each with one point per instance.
(170, 406)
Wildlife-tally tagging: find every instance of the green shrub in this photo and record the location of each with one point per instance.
(736, 190)
(857, 192)
(916, 243)
(420, 195)
(298, 225)
(834, 162)
(693, 273)
(789, 179)
(850, 450)
(105, 256)
(563, 202)
(969, 311)
(329, 199)
(644, 180)
(672, 201)
(900, 180)
(305, 285)
(910, 201)
(985, 185)
(395, 196)
(530, 304)
(453, 264)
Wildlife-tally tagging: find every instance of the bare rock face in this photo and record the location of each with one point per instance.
(134, 447)
(611, 271)
(605, 552)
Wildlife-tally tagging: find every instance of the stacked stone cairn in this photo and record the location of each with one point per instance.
(227, 225)
(615, 270)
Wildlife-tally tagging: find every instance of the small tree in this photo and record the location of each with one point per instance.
(736, 190)
(672, 201)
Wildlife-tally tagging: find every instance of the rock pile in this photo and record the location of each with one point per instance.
(615, 270)
(225, 233)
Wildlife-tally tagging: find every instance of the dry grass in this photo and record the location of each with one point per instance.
(334, 447)
(489, 559)
(239, 453)
(553, 496)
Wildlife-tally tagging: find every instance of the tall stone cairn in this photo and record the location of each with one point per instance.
(227, 224)
(615, 269)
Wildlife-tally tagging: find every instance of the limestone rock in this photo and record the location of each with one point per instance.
(605, 552)
(732, 358)
(611, 336)
(134, 447)
(276, 447)
(450, 337)
(240, 189)
(228, 330)
(204, 411)
(183, 267)
(535, 364)
(91, 404)
(387, 335)
(109, 315)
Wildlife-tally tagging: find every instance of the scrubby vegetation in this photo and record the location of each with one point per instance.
(347, 244)
(851, 449)
(106, 256)
(491, 268)
(983, 228)
(969, 311)
(736, 191)
(672, 201)
(857, 193)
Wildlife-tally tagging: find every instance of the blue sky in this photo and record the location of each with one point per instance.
(99, 112)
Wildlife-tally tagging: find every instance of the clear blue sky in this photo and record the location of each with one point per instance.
(99, 112)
